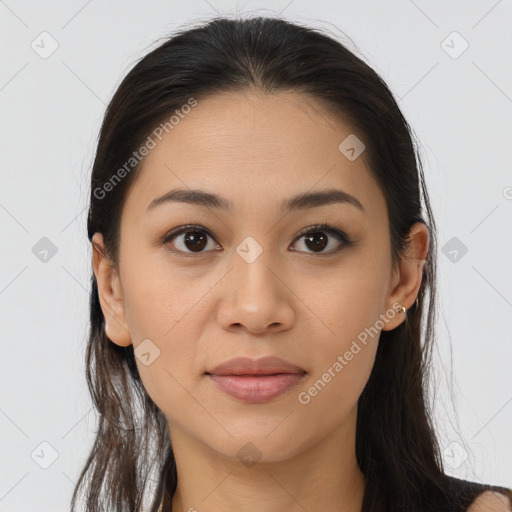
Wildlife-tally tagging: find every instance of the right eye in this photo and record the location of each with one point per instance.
(190, 240)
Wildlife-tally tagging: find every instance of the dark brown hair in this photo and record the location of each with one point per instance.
(395, 444)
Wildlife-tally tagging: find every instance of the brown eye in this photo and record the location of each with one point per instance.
(190, 239)
(195, 240)
(317, 238)
(316, 241)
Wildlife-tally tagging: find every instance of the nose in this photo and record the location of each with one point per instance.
(256, 298)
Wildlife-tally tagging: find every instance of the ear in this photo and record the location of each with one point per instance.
(110, 294)
(406, 280)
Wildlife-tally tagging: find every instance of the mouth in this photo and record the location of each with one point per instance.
(256, 380)
(256, 388)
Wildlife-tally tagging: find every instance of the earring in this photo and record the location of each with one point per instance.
(402, 308)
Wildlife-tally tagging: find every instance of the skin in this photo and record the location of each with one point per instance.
(490, 501)
(303, 306)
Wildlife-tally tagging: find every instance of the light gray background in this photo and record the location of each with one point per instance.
(51, 111)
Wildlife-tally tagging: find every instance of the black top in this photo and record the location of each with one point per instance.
(461, 494)
(471, 489)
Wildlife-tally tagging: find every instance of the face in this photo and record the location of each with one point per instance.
(252, 278)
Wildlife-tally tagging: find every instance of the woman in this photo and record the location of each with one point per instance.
(262, 269)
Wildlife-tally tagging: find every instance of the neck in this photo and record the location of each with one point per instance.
(323, 476)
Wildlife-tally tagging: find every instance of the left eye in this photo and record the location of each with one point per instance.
(317, 238)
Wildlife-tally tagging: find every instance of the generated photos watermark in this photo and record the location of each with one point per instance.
(304, 397)
(144, 149)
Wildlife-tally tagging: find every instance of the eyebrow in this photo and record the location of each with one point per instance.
(300, 201)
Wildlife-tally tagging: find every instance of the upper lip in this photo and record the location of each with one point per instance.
(247, 366)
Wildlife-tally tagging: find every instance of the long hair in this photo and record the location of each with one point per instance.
(396, 446)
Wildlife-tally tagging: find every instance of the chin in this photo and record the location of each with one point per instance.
(258, 446)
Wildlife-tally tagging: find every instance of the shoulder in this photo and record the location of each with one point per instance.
(491, 501)
(471, 496)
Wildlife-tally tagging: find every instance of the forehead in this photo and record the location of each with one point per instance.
(255, 150)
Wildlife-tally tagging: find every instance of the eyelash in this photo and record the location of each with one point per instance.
(341, 236)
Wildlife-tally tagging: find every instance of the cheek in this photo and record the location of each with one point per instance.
(158, 297)
(342, 367)
(346, 314)
(344, 303)
(333, 392)
(170, 313)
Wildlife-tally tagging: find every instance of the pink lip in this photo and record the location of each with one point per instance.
(248, 366)
(256, 388)
(256, 380)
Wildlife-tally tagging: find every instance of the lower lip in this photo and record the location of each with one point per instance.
(256, 389)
